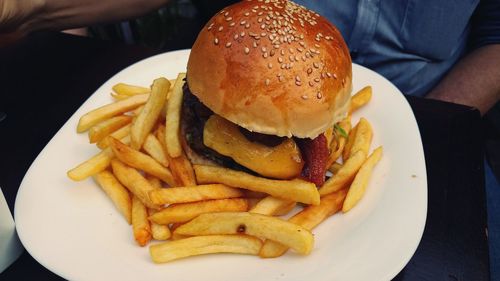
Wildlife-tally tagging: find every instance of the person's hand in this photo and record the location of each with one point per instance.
(15, 18)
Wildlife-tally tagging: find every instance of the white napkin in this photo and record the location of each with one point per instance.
(10, 246)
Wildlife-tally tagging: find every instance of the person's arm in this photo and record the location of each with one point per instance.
(25, 16)
(473, 81)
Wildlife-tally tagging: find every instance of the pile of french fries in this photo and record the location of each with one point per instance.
(201, 209)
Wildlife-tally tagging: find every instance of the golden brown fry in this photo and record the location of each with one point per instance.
(129, 90)
(154, 181)
(295, 190)
(181, 167)
(201, 245)
(335, 167)
(172, 123)
(271, 205)
(118, 134)
(118, 96)
(187, 211)
(92, 166)
(337, 150)
(116, 192)
(308, 218)
(144, 122)
(108, 126)
(159, 231)
(284, 210)
(188, 194)
(104, 112)
(345, 174)
(361, 98)
(134, 182)
(350, 140)
(154, 148)
(362, 138)
(358, 186)
(140, 223)
(273, 228)
(140, 161)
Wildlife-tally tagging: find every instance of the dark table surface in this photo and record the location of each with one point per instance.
(47, 76)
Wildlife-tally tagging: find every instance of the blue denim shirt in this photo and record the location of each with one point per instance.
(413, 43)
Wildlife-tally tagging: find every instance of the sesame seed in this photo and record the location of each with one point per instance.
(319, 95)
(300, 50)
(264, 49)
(317, 39)
(335, 76)
(267, 82)
(216, 41)
(311, 83)
(316, 80)
(254, 44)
(291, 51)
(280, 59)
(304, 97)
(298, 83)
(259, 20)
(309, 70)
(247, 14)
(276, 46)
(229, 19)
(316, 65)
(283, 66)
(316, 45)
(263, 34)
(297, 78)
(264, 55)
(247, 50)
(263, 26)
(221, 28)
(226, 14)
(243, 22)
(242, 34)
(232, 24)
(282, 52)
(271, 53)
(247, 25)
(280, 78)
(329, 75)
(270, 65)
(235, 36)
(228, 44)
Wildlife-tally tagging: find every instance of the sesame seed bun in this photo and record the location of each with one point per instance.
(272, 67)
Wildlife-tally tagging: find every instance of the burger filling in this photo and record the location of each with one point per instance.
(309, 155)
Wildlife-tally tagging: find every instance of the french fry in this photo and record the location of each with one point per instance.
(187, 211)
(345, 174)
(284, 210)
(140, 223)
(154, 148)
(358, 186)
(172, 123)
(94, 165)
(144, 122)
(188, 194)
(118, 134)
(104, 112)
(116, 192)
(106, 127)
(134, 182)
(335, 167)
(295, 190)
(154, 181)
(181, 167)
(271, 206)
(140, 161)
(350, 140)
(361, 98)
(294, 236)
(308, 218)
(341, 141)
(362, 138)
(118, 96)
(159, 231)
(129, 90)
(201, 245)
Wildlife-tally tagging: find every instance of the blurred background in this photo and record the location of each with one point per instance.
(172, 27)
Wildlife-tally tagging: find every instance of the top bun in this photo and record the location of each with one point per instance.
(272, 67)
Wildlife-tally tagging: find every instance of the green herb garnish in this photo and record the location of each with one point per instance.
(341, 131)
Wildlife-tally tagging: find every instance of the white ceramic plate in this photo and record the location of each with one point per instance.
(73, 229)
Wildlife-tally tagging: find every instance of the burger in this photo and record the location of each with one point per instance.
(266, 83)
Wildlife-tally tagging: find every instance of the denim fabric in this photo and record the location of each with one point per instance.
(413, 43)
